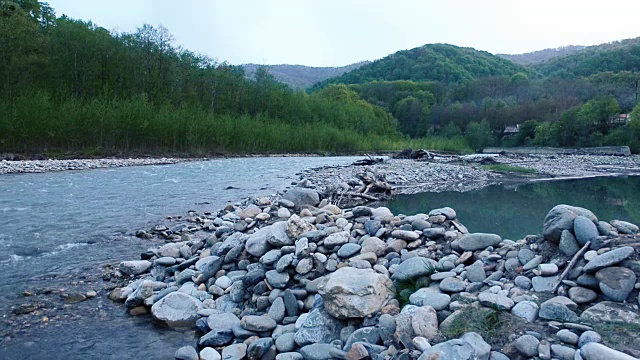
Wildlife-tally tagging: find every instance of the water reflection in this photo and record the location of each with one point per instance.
(515, 211)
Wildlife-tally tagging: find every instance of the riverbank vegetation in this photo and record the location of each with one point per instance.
(70, 86)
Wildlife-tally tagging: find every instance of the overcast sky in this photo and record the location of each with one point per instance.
(341, 32)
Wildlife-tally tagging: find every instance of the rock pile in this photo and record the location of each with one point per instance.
(40, 166)
(300, 278)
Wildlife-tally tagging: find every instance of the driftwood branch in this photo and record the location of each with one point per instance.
(364, 196)
(573, 262)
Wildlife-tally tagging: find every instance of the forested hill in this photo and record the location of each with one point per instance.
(432, 62)
(539, 56)
(615, 57)
(300, 77)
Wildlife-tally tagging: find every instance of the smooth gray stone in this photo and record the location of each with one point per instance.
(135, 267)
(413, 268)
(448, 212)
(177, 309)
(452, 285)
(317, 351)
(258, 323)
(523, 282)
(527, 345)
(527, 310)
(278, 280)
(596, 351)
(187, 353)
(234, 352)
(286, 342)
(525, 255)
(221, 333)
(589, 336)
(562, 352)
(372, 226)
(475, 272)
(210, 354)
(301, 196)
(581, 295)
(616, 283)
(289, 356)
(284, 262)
(568, 243)
(277, 310)
(609, 258)
(544, 283)
(478, 241)
(624, 227)
(584, 230)
(211, 267)
(348, 250)
(434, 233)
(495, 301)
(432, 297)
(566, 336)
(271, 257)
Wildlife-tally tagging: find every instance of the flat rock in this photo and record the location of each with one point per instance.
(135, 267)
(335, 239)
(609, 258)
(452, 285)
(495, 301)
(479, 241)
(582, 295)
(405, 235)
(317, 351)
(527, 310)
(430, 296)
(544, 283)
(348, 250)
(177, 309)
(608, 311)
(234, 352)
(277, 279)
(258, 323)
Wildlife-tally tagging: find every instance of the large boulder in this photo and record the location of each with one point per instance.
(609, 258)
(560, 218)
(177, 309)
(355, 293)
(302, 196)
(608, 311)
(469, 346)
(596, 351)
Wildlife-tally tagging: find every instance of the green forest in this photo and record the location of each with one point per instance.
(72, 87)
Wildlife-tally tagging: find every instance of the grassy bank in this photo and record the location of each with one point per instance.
(38, 124)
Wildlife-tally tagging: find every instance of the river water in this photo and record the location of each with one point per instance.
(58, 229)
(514, 211)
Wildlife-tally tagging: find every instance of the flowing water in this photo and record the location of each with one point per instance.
(58, 229)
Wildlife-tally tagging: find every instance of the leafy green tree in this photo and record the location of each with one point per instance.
(479, 135)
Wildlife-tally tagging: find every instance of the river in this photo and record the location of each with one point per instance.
(57, 230)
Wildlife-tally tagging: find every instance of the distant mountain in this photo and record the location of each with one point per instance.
(433, 62)
(301, 77)
(614, 56)
(539, 56)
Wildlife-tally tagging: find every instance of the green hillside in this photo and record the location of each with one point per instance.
(615, 57)
(433, 62)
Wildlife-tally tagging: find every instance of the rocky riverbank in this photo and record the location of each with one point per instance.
(41, 166)
(300, 278)
(463, 173)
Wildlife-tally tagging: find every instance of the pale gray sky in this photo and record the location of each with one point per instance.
(341, 32)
